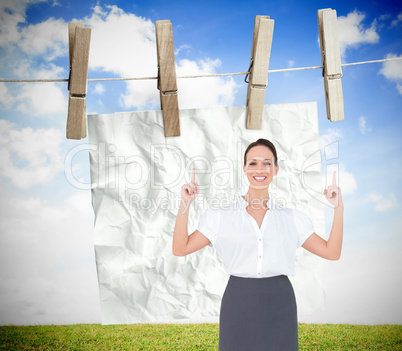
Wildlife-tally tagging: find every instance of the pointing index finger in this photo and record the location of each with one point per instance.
(334, 178)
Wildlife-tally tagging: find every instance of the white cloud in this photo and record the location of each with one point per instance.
(204, 92)
(344, 179)
(182, 47)
(11, 14)
(48, 72)
(396, 21)
(384, 17)
(347, 181)
(112, 29)
(392, 70)
(291, 64)
(29, 157)
(329, 143)
(37, 98)
(25, 50)
(363, 125)
(99, 89)
(42, 99)
(23, 68)
(48, 39)
(362, 287)
(382, 203)
(6, 99)
(47, 263)
(352, 32)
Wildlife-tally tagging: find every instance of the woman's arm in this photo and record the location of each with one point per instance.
(334, 244)
(183, 244)
(332, 248)
(180, 234)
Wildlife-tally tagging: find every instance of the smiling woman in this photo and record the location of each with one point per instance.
(259, 165)
(257, 243)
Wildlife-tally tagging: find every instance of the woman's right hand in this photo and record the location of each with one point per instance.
(190, 191)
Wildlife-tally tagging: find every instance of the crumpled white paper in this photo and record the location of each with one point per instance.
(136, 176)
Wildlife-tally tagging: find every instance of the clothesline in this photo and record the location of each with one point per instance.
(194, 76)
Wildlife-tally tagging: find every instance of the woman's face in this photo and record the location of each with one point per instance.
(260, 169)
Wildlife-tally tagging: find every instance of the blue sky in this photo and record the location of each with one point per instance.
(47, 264)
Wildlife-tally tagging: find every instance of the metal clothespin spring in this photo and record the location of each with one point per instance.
(336, 76)
(158, 80)
(249, 70)
(323, 65)
(69, 78)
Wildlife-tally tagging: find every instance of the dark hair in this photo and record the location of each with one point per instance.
(263, 142)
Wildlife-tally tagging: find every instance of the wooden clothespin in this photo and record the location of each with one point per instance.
(331, 61)
(79, 41)
(167, 83)
(258, 71)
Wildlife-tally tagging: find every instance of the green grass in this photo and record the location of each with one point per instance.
(203, 336)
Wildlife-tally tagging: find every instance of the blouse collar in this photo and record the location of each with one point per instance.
(244, 203)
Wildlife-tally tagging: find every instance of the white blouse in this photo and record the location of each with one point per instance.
(248, 251)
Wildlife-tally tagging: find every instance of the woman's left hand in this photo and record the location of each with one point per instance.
(333, 193)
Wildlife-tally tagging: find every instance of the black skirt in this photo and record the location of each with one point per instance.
(258, 314)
